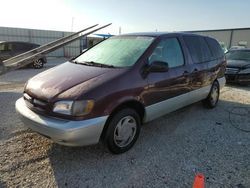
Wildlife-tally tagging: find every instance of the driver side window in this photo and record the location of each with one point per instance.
(169, 51)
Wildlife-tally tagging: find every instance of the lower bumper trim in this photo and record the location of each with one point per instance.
(238, 78)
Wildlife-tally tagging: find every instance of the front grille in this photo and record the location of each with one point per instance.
(231, 78)
(35, 103)
(244, 77)
(39, 102)
(232, 70)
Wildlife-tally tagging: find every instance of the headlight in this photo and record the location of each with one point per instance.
(74, 108)
(63, 107)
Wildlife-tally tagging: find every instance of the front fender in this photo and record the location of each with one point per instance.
(122, 101)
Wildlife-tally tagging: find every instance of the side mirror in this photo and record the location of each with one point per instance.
(158, 66)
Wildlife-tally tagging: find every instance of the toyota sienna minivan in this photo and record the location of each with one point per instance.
(107, 93)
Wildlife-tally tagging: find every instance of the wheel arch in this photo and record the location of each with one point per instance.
(133, 104)
(215, 81)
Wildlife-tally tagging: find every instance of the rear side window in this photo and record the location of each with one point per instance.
(215, 48)
(34, 46)
(23, 46)
(169, 51)
(198, 48)
(19, 46)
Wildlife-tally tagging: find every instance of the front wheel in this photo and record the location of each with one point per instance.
(213, 96)
(123, 131)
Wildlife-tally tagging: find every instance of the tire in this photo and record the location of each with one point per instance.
(213, 96)
(38, 64)
(123, 130)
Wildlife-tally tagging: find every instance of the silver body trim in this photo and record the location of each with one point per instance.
(65, 132)
(222, 82)
(159, 109)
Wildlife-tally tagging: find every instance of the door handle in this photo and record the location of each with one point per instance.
(195, 70)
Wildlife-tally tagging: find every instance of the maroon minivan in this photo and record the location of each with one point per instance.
(107, 93)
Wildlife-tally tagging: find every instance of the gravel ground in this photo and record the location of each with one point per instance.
(168, 153)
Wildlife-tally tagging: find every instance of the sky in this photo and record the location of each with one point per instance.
(129, 15)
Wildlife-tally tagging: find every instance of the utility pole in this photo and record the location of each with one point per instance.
(72, 24)
(120, 30)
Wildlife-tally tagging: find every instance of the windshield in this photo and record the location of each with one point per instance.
(238, 55)
(117, 51)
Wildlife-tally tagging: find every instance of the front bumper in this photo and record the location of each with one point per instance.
(238, 78)
(65, 132)
(222, 82)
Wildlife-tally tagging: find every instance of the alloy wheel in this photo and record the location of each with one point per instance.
(214, 94)
(125, 131)
(38, 64)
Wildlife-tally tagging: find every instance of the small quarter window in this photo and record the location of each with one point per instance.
(215, 48)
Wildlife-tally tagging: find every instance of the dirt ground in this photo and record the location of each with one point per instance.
(168, 153)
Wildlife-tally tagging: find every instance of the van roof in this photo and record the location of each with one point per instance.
(157, 34)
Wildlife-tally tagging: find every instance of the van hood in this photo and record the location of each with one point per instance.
(49, 84)
(238, 64)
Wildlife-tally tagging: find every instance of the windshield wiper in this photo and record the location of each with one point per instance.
(92, 63)
(73, 61)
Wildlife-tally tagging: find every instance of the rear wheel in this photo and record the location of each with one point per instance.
(123, 131)
(38, 64)
(213, 97)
